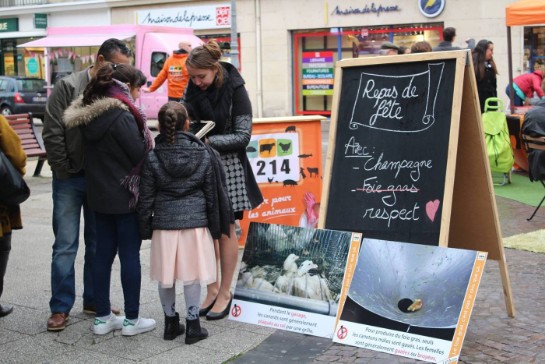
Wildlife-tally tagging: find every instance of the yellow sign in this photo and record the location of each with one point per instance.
(9, 65)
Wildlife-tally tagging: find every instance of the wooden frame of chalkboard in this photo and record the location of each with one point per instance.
(406, 159)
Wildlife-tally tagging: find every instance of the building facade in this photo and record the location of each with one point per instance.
(288, 49)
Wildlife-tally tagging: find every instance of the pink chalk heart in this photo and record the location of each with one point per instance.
(431, 209)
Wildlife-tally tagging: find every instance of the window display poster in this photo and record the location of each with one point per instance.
(9, 65)
(286, 159)
(33, 67)
(294, 278)
(318, 73)
(411, 300)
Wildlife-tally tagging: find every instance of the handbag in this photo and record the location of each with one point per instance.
(13, 188)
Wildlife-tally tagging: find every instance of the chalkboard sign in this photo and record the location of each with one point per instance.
(406, 159)
(390, 149)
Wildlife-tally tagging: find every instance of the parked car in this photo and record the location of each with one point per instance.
(21, 95)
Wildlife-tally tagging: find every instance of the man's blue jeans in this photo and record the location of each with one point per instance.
(118, 233)
(69, 198)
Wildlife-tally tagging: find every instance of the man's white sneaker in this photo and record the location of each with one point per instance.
(140, 326)
(103, 327)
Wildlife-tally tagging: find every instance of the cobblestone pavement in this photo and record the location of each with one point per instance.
(492, 336)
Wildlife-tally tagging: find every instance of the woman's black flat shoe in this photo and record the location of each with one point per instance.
(5, 310)
(211, 315)
(204, 311)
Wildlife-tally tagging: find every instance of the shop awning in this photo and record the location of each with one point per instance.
(80, 40)
(525, 12)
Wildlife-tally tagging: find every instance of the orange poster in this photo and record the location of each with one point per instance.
(286, 158)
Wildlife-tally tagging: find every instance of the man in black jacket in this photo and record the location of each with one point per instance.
(448, 37)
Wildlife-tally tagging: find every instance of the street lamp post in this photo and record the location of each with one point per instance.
(234, 37)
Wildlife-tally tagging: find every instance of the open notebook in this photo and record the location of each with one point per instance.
(202, 128)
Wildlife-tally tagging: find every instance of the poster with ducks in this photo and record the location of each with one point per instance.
(294, 278)
(411, 300)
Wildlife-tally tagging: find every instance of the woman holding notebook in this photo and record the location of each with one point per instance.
(216, 92)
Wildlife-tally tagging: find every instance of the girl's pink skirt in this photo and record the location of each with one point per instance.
(182, 255)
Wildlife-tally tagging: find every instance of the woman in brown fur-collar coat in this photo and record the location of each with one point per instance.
(10, 216)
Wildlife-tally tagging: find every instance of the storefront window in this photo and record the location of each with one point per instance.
(16, 61)
(534, 49)
(9, 57)
(315, 54)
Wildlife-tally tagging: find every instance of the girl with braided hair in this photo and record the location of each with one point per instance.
(182, 204)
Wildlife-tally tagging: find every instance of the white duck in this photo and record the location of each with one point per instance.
(310, 286)
(284, 283)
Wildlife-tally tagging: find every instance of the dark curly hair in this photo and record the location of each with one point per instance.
(421, 47)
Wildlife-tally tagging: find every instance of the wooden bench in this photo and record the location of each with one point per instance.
(23, 125)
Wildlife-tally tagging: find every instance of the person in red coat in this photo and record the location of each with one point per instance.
(525, 85)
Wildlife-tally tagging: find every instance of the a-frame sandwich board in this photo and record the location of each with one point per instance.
(406, 159)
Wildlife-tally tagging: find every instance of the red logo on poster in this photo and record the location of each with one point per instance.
(236, 310)
(223, 16)
(342, 332)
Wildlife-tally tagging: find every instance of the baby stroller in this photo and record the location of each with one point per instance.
(498, 143)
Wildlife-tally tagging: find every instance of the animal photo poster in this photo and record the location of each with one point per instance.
(411, 300)
(294, 278)
(286, 159)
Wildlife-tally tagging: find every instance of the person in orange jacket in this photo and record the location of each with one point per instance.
(175, 71)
